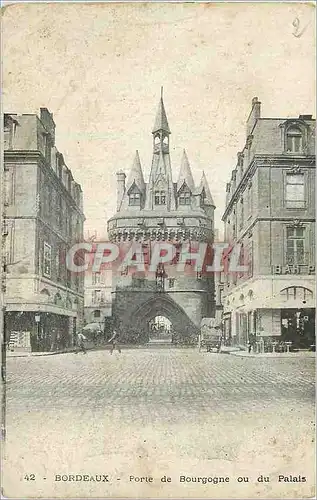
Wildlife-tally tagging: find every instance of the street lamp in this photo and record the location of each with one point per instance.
(37, 321)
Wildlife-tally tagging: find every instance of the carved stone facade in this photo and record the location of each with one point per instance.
(161, 210)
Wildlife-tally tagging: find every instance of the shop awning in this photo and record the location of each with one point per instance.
(41, 308)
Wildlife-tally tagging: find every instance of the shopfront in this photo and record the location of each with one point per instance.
(48, 331)
(298, 327)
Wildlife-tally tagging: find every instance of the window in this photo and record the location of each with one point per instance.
(68, 278)
(134, 199)
(295, 191)
(295, 237)
(250, 257)
(96, 278)
(250, 201)
(242, 260)
(46, 201)
(220, 295)
(297, 292)
(59, 210)
(58, 299)
(171, 282)
(184, 197)
(54, 209)
(65, 177)
(97, 314)
(47, 147)
(47, 260)
(97, 296)
(241, 214)
(61, 263)
(294, 141)
(8, 187)
(160, 198)
(70, 226)
(77, 282)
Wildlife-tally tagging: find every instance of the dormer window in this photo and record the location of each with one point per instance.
(184, 195)
(134, 199)
(134, 196)
(160, 198)
(294, 140)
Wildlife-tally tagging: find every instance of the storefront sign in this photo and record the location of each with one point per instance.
(294, 269)
(20, 341)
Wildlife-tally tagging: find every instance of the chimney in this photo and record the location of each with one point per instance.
(120, 188)
(47, 119)
(254, 114)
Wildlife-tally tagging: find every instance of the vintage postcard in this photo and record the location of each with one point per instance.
(158, 250)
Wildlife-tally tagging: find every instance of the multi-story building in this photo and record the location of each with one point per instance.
(270, 211)
(155, 211)
(43, 218)
(98, 299)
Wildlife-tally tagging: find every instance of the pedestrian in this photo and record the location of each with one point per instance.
(81, 343)
(114, 342)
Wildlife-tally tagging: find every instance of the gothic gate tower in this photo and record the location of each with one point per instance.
(161, 210)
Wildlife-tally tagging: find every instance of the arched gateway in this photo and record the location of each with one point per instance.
(182, 328)
(134, 317)
(161, 210)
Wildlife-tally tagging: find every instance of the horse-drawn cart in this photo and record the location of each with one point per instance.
(211, 335)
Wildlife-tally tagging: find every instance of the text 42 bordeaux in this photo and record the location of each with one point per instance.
(182, 479)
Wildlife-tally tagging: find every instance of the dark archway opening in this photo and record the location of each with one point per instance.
(137, 326)
(160, 330)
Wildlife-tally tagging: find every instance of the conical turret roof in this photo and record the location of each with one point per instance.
(161, 122)
(136, 174)
(204, 186)
(185, 174)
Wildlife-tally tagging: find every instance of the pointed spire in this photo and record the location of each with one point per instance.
(161, 122)
(185, 174)
(204, 186)
(136, 174)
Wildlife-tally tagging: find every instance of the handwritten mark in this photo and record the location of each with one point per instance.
(297, 32)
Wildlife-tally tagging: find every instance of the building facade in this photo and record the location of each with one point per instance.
(155, 211)
(43, 208)
(270, 211)
(98, 298)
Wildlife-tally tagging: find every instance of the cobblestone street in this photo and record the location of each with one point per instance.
(156, 412)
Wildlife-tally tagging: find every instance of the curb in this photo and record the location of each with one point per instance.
(36, 354)
(308, 354)
(92, 349)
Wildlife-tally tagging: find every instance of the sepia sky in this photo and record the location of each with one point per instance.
(99, 68)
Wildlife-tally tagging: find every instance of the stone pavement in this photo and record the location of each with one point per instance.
(158, 412)
(275, 355)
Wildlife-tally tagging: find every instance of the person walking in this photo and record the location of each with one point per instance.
(114, 342)
(81, 343)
